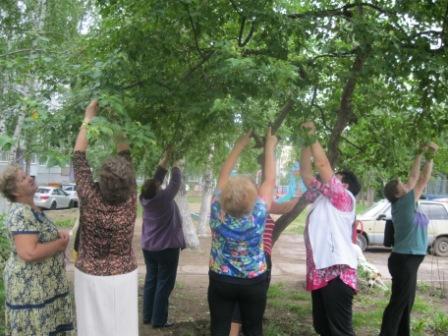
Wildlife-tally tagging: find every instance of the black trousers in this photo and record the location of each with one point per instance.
(161, 270)
(397, 316)
(236, 317)
(224, 296)
(332, 309)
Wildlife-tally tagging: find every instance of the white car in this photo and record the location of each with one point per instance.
(52, 198)
(71, 190)
(374, 219)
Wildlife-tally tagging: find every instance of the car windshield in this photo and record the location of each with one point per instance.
(378, 208)
(43, 191)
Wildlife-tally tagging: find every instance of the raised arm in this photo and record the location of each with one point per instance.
(82, 171)
(306, 167)
(282, 208)
(425, 175)
(166, 158)
(266, 189)
(321, 162)
(175, 181)
(228, 165)
(414, 172)
(162, 167)
(90, 112)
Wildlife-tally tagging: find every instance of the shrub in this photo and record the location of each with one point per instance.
(5, 247)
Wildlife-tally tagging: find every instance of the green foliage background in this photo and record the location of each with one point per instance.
(196, 73)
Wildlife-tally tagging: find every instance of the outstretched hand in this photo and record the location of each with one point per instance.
(432, 147)
(309, 127)
(91, 110)
(169, 152)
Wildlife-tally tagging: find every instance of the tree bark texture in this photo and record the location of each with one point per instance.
(207, 192)
(283, 221)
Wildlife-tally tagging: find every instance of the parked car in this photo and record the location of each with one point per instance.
(373, 221)
(71, 190)
(52, 198)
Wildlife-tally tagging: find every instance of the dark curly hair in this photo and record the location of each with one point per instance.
(117, 180)
(150, 188)
(350, 178)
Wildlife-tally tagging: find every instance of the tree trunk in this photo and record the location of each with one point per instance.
(207, 192)
(3, 202)
(345, 113)
(191, 237)
(344, 117)
(15, 154)
(2, 125)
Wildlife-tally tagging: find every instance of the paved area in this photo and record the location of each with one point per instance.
(289, 260)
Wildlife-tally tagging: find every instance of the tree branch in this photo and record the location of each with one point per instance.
(359, 148)
(249, 36)
(340, 11)
(204, 59)
(235, 7)
(283, 221)
(194, 29)
(445, 28)
(21, 51)
(281, 116)
(345, 112)
(143, 81)
(351, 53)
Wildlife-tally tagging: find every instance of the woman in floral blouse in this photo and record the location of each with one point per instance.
(37, 294)
(106, 269)
(237, 261)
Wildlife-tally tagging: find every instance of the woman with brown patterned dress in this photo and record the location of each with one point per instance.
(106, 269)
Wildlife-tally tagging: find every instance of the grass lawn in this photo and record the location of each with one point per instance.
(289, 311)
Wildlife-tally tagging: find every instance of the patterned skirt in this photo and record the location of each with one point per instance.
(32, 309)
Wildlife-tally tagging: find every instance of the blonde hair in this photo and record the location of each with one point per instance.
(238, 196)
(8, 181)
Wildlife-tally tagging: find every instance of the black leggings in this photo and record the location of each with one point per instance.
(397, 316)
(222, 298)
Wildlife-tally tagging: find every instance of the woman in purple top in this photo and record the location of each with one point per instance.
(162, 240)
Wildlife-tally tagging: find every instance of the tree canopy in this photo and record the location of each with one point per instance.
(372, 75)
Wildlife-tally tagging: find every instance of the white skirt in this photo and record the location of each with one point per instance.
(106, 305)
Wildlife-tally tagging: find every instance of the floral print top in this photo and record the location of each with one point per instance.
(237, 243)
(106, 230)
(319, 278)
(37, 293)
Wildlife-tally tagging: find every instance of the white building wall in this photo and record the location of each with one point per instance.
(44, 174)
